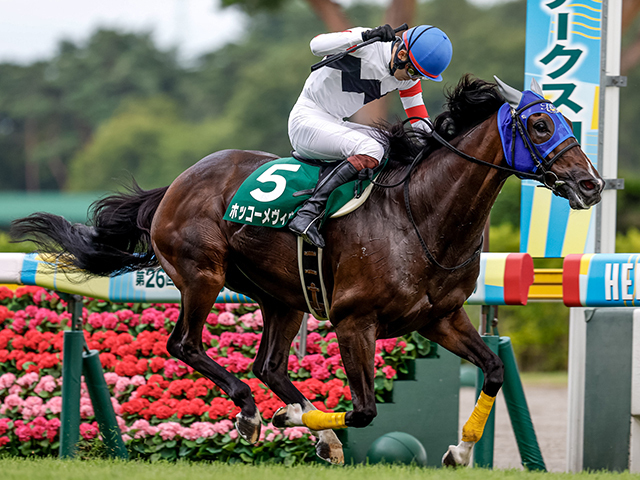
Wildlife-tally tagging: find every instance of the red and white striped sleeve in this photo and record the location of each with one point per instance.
(413, 103)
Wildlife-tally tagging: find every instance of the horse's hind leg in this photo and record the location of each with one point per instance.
(457, 334)
(185, 343)
(281, 324)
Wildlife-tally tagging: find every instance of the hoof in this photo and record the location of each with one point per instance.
(458, 455)
(331, 453)
(249, 427)
(288, 416)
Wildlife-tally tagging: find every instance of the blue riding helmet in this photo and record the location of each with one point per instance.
(429, 50)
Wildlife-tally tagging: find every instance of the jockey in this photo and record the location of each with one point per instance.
(317, 128)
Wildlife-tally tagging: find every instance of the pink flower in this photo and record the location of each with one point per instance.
(212, 319)
(230, 307)
(294, 364)
(333, 349)
(19, 324)
(223, 426)
(121, 423)
(53, 426)
(312, 323)
(295, 432)
(27, 380)
(33, 407)
(15, 390)
(117, 408)
(12, 401)
(168, 430)
(199, 430)
(176, 367)
(54, 405)
(233, 434)
(7, 380)
(121, 385)
(22, 431)
(111, 378)
(86, 408)
(4, 425)
(46, 383)
(251, 320)
(389, 371)
(227, 318)
(138, 380)
(142, 428)
(95, 320)
(89, 431)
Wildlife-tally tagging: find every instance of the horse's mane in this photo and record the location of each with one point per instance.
(468, 103)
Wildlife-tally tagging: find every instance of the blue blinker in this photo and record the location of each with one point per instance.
(519, 157)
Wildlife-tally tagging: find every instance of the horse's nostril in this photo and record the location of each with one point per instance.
(588, 184)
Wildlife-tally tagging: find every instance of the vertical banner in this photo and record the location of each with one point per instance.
(563, 53)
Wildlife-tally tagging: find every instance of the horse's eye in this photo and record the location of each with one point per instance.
(541, 127)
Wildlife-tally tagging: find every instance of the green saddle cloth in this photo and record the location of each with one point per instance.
(266, 198)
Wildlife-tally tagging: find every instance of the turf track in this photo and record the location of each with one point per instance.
(53, 469)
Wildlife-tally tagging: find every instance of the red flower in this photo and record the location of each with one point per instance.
(135, 407)
(4, 311)
(157, 364)
(220, 407)
(191, 407)
(5, 293)
(269, 407)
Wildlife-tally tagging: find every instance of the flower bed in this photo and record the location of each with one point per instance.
(164, 408)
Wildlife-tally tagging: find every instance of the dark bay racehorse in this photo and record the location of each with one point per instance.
(406, 260)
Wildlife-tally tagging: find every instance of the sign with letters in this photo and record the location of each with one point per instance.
(563, 53)
(601, 280)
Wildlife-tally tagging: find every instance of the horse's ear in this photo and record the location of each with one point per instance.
(536, 88)
(510, 94)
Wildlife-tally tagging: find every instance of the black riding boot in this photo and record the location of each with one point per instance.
(307, 219)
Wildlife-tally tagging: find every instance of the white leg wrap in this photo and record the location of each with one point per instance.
(460, 454)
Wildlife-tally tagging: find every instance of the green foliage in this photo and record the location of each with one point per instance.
(629, 242)
(146, 139)
(7, 246)
(539, 333)
(504, 238)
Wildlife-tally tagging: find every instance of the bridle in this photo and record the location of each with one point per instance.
(545, 176)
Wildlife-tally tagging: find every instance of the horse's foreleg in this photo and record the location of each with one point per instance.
(185, 343)
(281, 324)
(357, 348)
(357, 341)
(457, 334)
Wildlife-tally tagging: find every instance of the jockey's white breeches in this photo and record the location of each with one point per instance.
(316, 134)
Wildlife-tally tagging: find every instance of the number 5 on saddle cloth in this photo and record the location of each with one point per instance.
(272, 194)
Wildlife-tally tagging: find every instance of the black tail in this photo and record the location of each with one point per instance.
(117, 239)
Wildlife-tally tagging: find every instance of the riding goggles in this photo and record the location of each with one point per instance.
(413, 72)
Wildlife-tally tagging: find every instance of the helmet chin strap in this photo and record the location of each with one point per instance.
(397, 63)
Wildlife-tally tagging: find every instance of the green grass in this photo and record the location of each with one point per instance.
(53, 469)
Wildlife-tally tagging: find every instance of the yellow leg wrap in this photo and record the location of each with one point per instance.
(472, 430)
(317, 420)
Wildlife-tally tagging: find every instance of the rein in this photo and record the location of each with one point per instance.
(547, 177)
